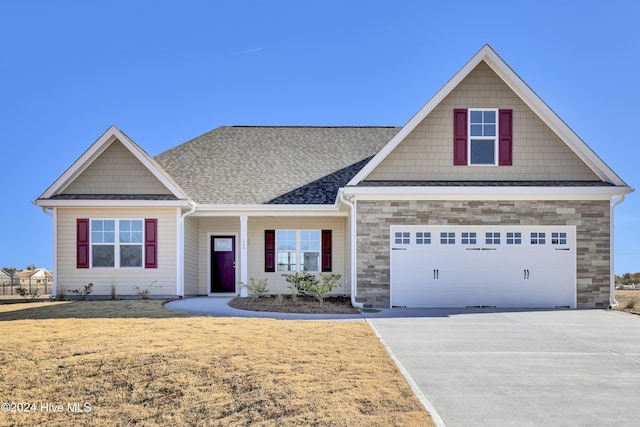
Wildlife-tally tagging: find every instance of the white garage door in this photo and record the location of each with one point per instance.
(486, 266)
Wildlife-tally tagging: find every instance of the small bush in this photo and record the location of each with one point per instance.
(24, 293)
(144, 292)
(84, 292)
(321, 289)
(631, 303)
(257, 287)
(299, 282)
(61, 293)
(307, 284)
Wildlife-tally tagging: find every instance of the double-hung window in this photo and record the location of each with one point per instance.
(482, 137)
(117, 243)
(298, 250)
(483, 124)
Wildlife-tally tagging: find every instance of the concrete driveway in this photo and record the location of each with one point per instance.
(520, 368)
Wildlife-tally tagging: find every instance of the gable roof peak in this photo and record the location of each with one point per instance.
(111, 135)
(524, 92)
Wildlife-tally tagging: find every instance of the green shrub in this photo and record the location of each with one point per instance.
(299, 282)
(306, 284)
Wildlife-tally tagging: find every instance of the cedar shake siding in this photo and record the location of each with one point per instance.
(116, 171)
(427, 153)
(591, 219)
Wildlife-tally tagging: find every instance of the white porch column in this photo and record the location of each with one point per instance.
(244, 263)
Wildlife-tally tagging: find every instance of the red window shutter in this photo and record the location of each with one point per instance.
(269, 251)
(326, 250)
(505, 139)
(82, 243)
(150, 243)
(459, 136)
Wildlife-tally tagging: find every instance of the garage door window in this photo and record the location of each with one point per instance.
(403, 238)
(558, 238)
(423, 238)
(492, 238)
(447, 238)
(469, 238)
(514, 238)
(538, 238)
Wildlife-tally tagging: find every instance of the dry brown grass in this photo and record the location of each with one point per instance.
(624, 296)
(136, 363)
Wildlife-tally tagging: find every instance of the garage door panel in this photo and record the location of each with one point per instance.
(483, 266)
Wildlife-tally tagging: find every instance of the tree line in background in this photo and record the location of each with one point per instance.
(628, 279)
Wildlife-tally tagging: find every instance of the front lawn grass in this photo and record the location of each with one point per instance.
(136, 363)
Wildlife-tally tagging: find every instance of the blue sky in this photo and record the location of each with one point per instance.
(167, 71)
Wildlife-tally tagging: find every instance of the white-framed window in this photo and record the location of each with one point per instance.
(298, 250)
(468, 238)
(514, 238)
(483, 140)
(559, 238)
(492, 238)
(538, 238)
(117, 243)
(447, 238)
(402, 238)
(423, 238)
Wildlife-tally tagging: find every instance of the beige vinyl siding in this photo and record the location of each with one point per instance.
(277, 284)
(116, 171)
(162, 279)
(427, 152)
(191, 259)
(217, 226)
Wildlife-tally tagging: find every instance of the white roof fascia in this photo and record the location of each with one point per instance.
(55, 203)
(98, 148)
(487, 193)
(205, 210)
(527, 95)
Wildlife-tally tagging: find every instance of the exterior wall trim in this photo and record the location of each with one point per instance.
(485, 193)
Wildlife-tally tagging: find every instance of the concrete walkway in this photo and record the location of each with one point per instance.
(487, 367)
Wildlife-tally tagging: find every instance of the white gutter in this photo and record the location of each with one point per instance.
(613, 304)
(180, 254)
(354, 269)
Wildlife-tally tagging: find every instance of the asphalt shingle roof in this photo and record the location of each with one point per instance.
(272, 164)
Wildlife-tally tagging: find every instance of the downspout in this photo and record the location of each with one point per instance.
(352, 215)
(192, 209)
(54, 287)
(613, 304)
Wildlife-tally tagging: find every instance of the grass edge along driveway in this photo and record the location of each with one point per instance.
(134, 362)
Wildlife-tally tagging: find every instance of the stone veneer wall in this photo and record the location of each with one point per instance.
(591, 219)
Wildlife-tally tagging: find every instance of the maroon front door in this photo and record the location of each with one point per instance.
(223, 264)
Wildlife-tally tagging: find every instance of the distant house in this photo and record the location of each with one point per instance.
(36, 276)
(484, 198)
(5, 277)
